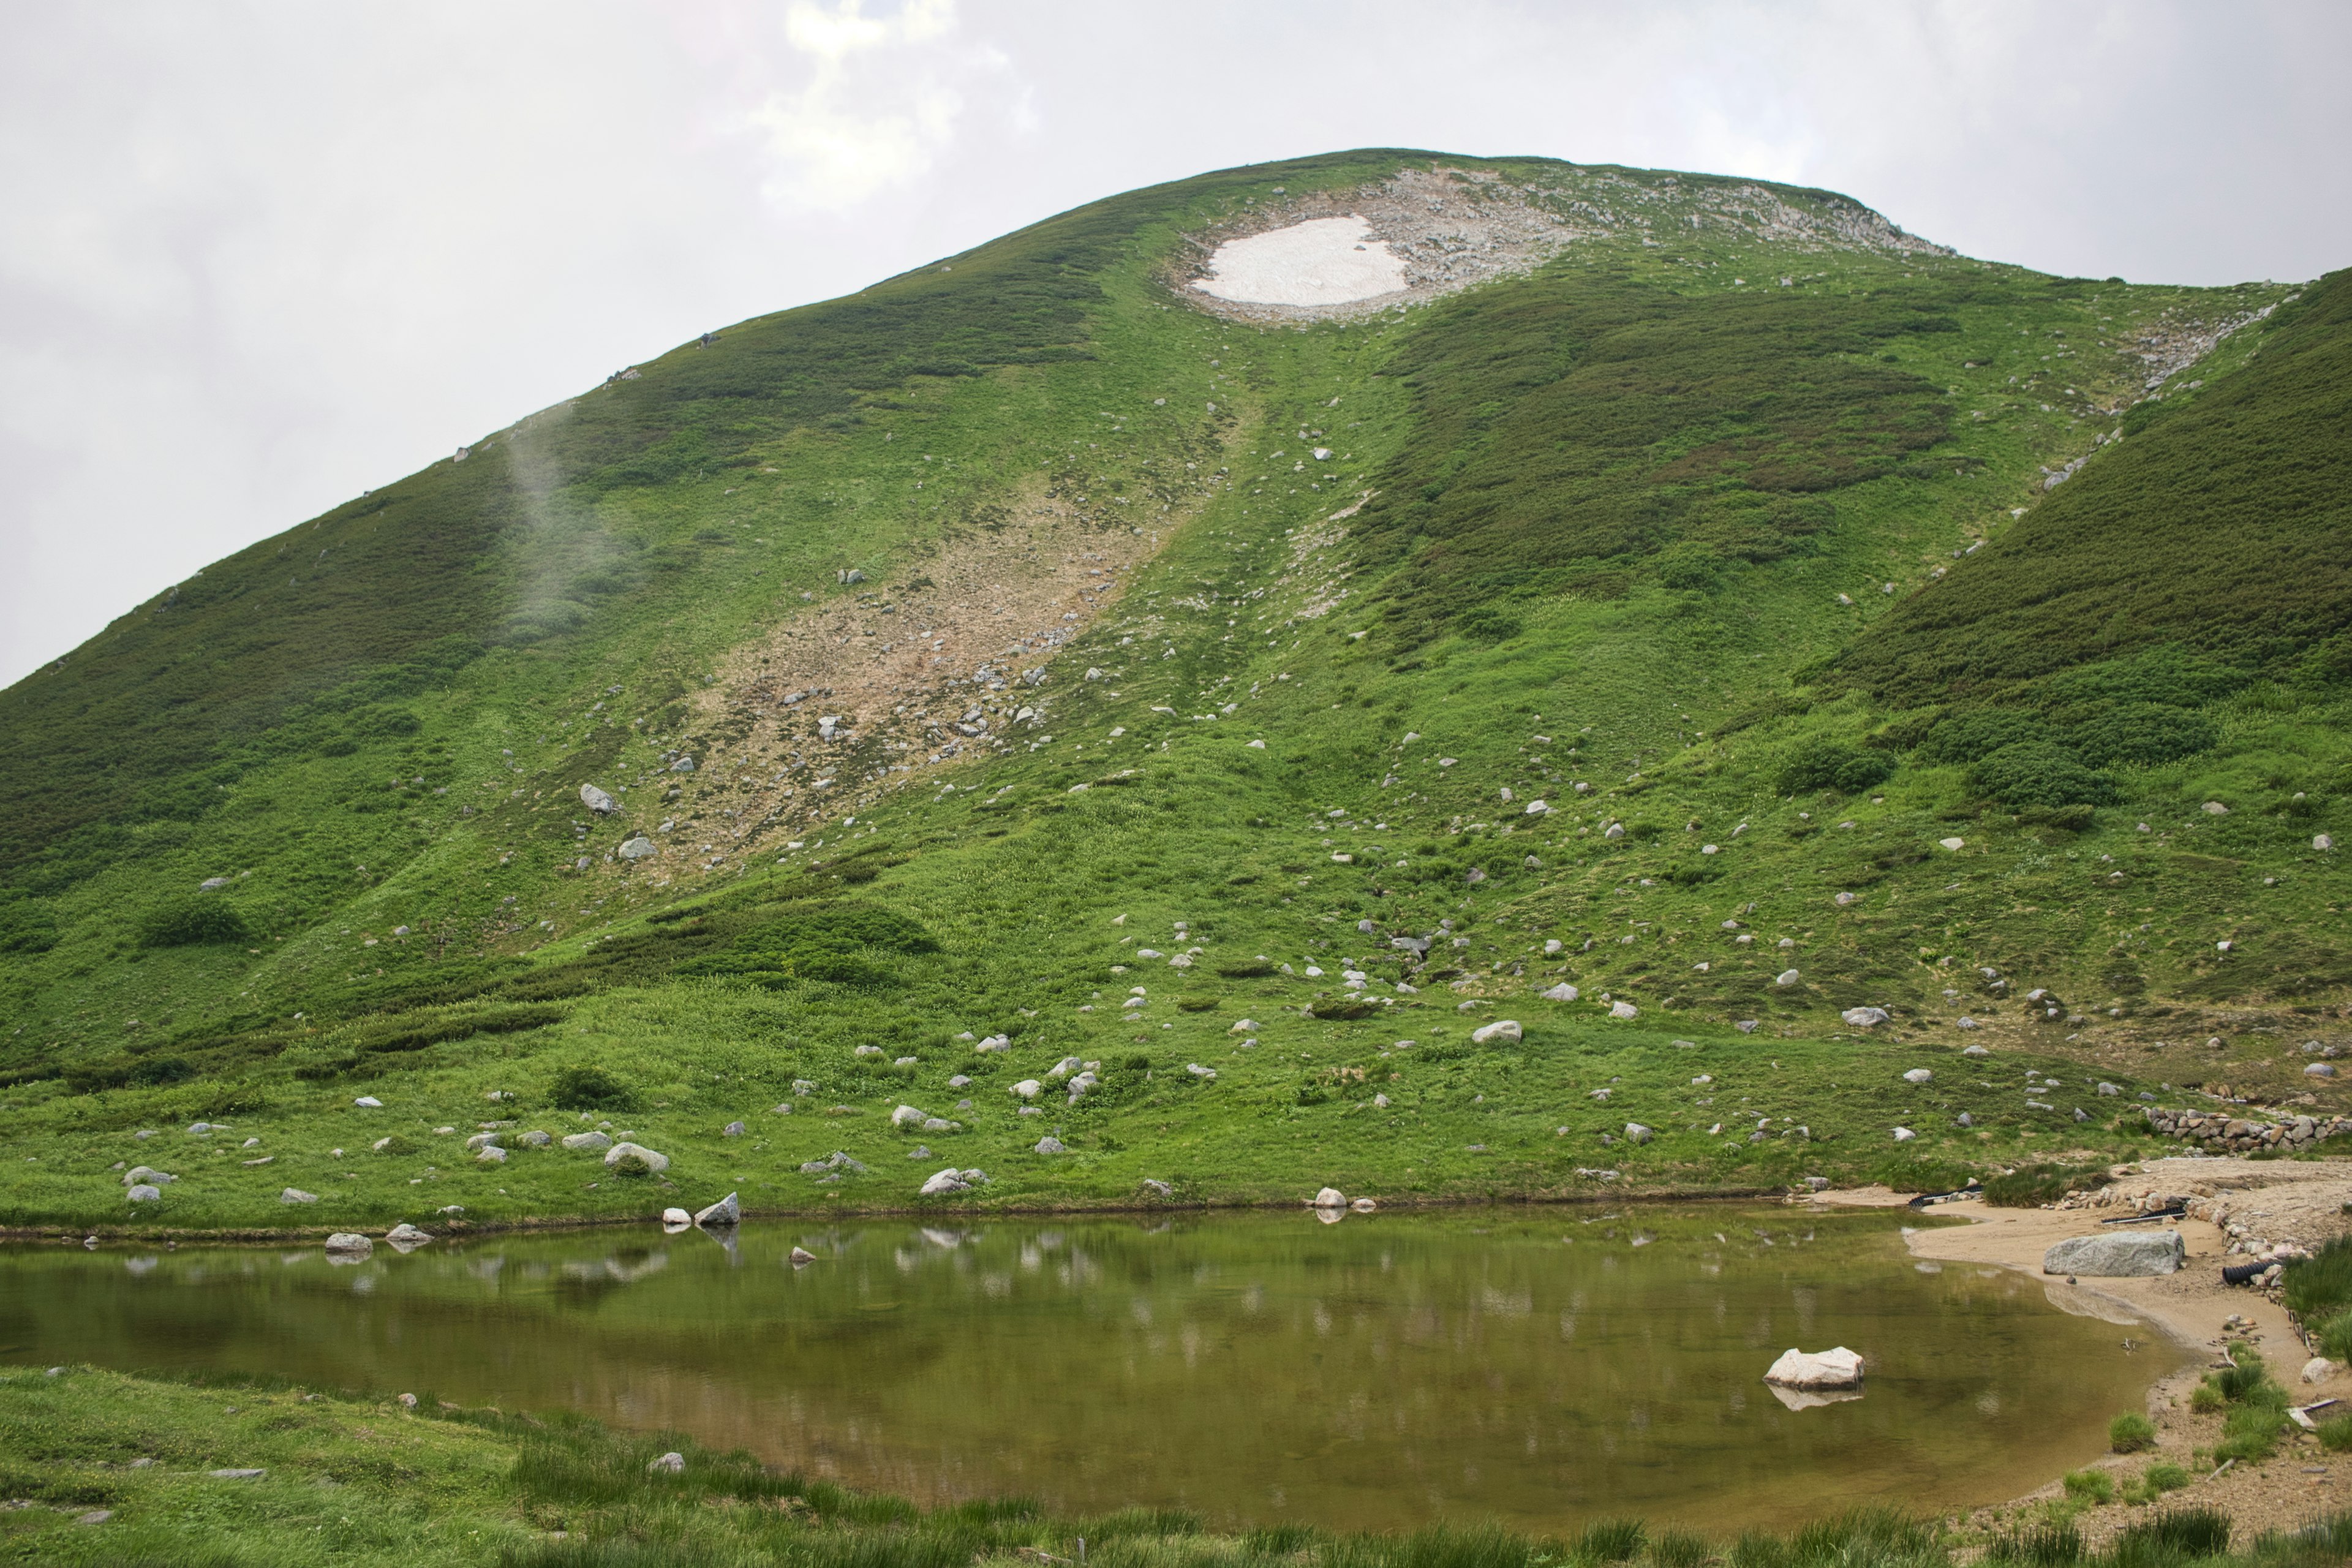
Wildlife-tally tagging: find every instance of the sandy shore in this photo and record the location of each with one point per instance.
(2190, 1309)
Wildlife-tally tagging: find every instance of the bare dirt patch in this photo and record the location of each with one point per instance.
(859, 697)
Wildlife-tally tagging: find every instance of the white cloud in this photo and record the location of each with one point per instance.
(879, 101)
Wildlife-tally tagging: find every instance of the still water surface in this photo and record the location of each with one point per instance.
(1539, 1366)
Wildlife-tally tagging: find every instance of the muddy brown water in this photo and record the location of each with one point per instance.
(1542, 1367)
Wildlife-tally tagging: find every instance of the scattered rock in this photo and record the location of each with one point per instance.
(1785, 977)
(535, 1139)
(1049, 1144)
(908, 1116)
(1953, 843)
(404, 1236)
(1505, 1029)
(2318, 1368)
(237, 1475)
(1158, 1189)
(1560, 993)
(2116, 1257)
(1918, 1075)
(1637, 1134)
(1838, 1368)
(951, 1181)
(727, 1211)
(1624, 1010)
(1362, 1205)
(676, 1219)
(1865, 1017)
(1974, 1051)
(148, 1174)
(1903, 1135)
(800, 1257)
(597, 801)
(145, 1193)
(368, 1102)
(296, 1195)
(1027, 1088)
(2320, 1069)
(350, 1242)
(1328, 1198)
(491, 1154)
(671, 1464)
(653, 1162)
(587, 1141)
(637, 848)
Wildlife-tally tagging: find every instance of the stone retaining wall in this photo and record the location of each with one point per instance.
(2236, 1135)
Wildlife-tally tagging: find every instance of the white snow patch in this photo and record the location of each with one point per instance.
(1323, 261)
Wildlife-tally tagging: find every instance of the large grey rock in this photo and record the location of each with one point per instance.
(802, 1257)
(907, 1116)
(948, 1182)
(655, 1163)
(2116, 1257)
(587, 1141)
(597, 801)
(1504, 1029)
(535, 1139)
(1865, 1017)
(405, 1236)
(351, 1244)
(1330, 1198)
(296, 1195)
(637, 848)
(1838, 1368)
(1049, 1144)
(728, 1210)
(1564, 992)
(138, 1175)
(144, 1193)
(1637, 1134)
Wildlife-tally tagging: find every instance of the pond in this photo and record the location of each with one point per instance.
(1539, 1366)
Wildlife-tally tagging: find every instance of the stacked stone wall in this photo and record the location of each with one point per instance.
(2227, 1134)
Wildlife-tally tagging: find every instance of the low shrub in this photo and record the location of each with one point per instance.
(1966, 737)
(1678, 1548)
(2130, 1432)
(590, 1089)
(2142, 734)
(1833, 765)
(2035, 773)
(2336, 1434)
(193, 921)
(2091, 1486)
(2155, 1481)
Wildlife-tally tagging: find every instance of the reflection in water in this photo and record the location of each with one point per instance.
(1541, 1368)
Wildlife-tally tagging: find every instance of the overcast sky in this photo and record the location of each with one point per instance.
(255, 258)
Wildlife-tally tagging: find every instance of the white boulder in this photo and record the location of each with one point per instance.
(1838, 1368)
(1330, 1198)
(1564, 992)
(1505, 1029)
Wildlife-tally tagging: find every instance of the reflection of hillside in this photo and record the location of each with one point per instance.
(1537, 1366)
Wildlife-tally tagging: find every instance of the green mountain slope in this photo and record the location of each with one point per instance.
(1019, 635)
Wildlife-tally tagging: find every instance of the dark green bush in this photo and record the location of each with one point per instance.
(2038, 774)
(589, 1088)
(1832, 764)
(26, 925)
(2130, 1432)
(193, 921)
(1966, 737)
(2142, 734)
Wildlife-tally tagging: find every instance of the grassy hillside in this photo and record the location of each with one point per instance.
(1653, 625)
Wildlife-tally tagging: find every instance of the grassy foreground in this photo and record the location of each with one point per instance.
(102, 1467)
